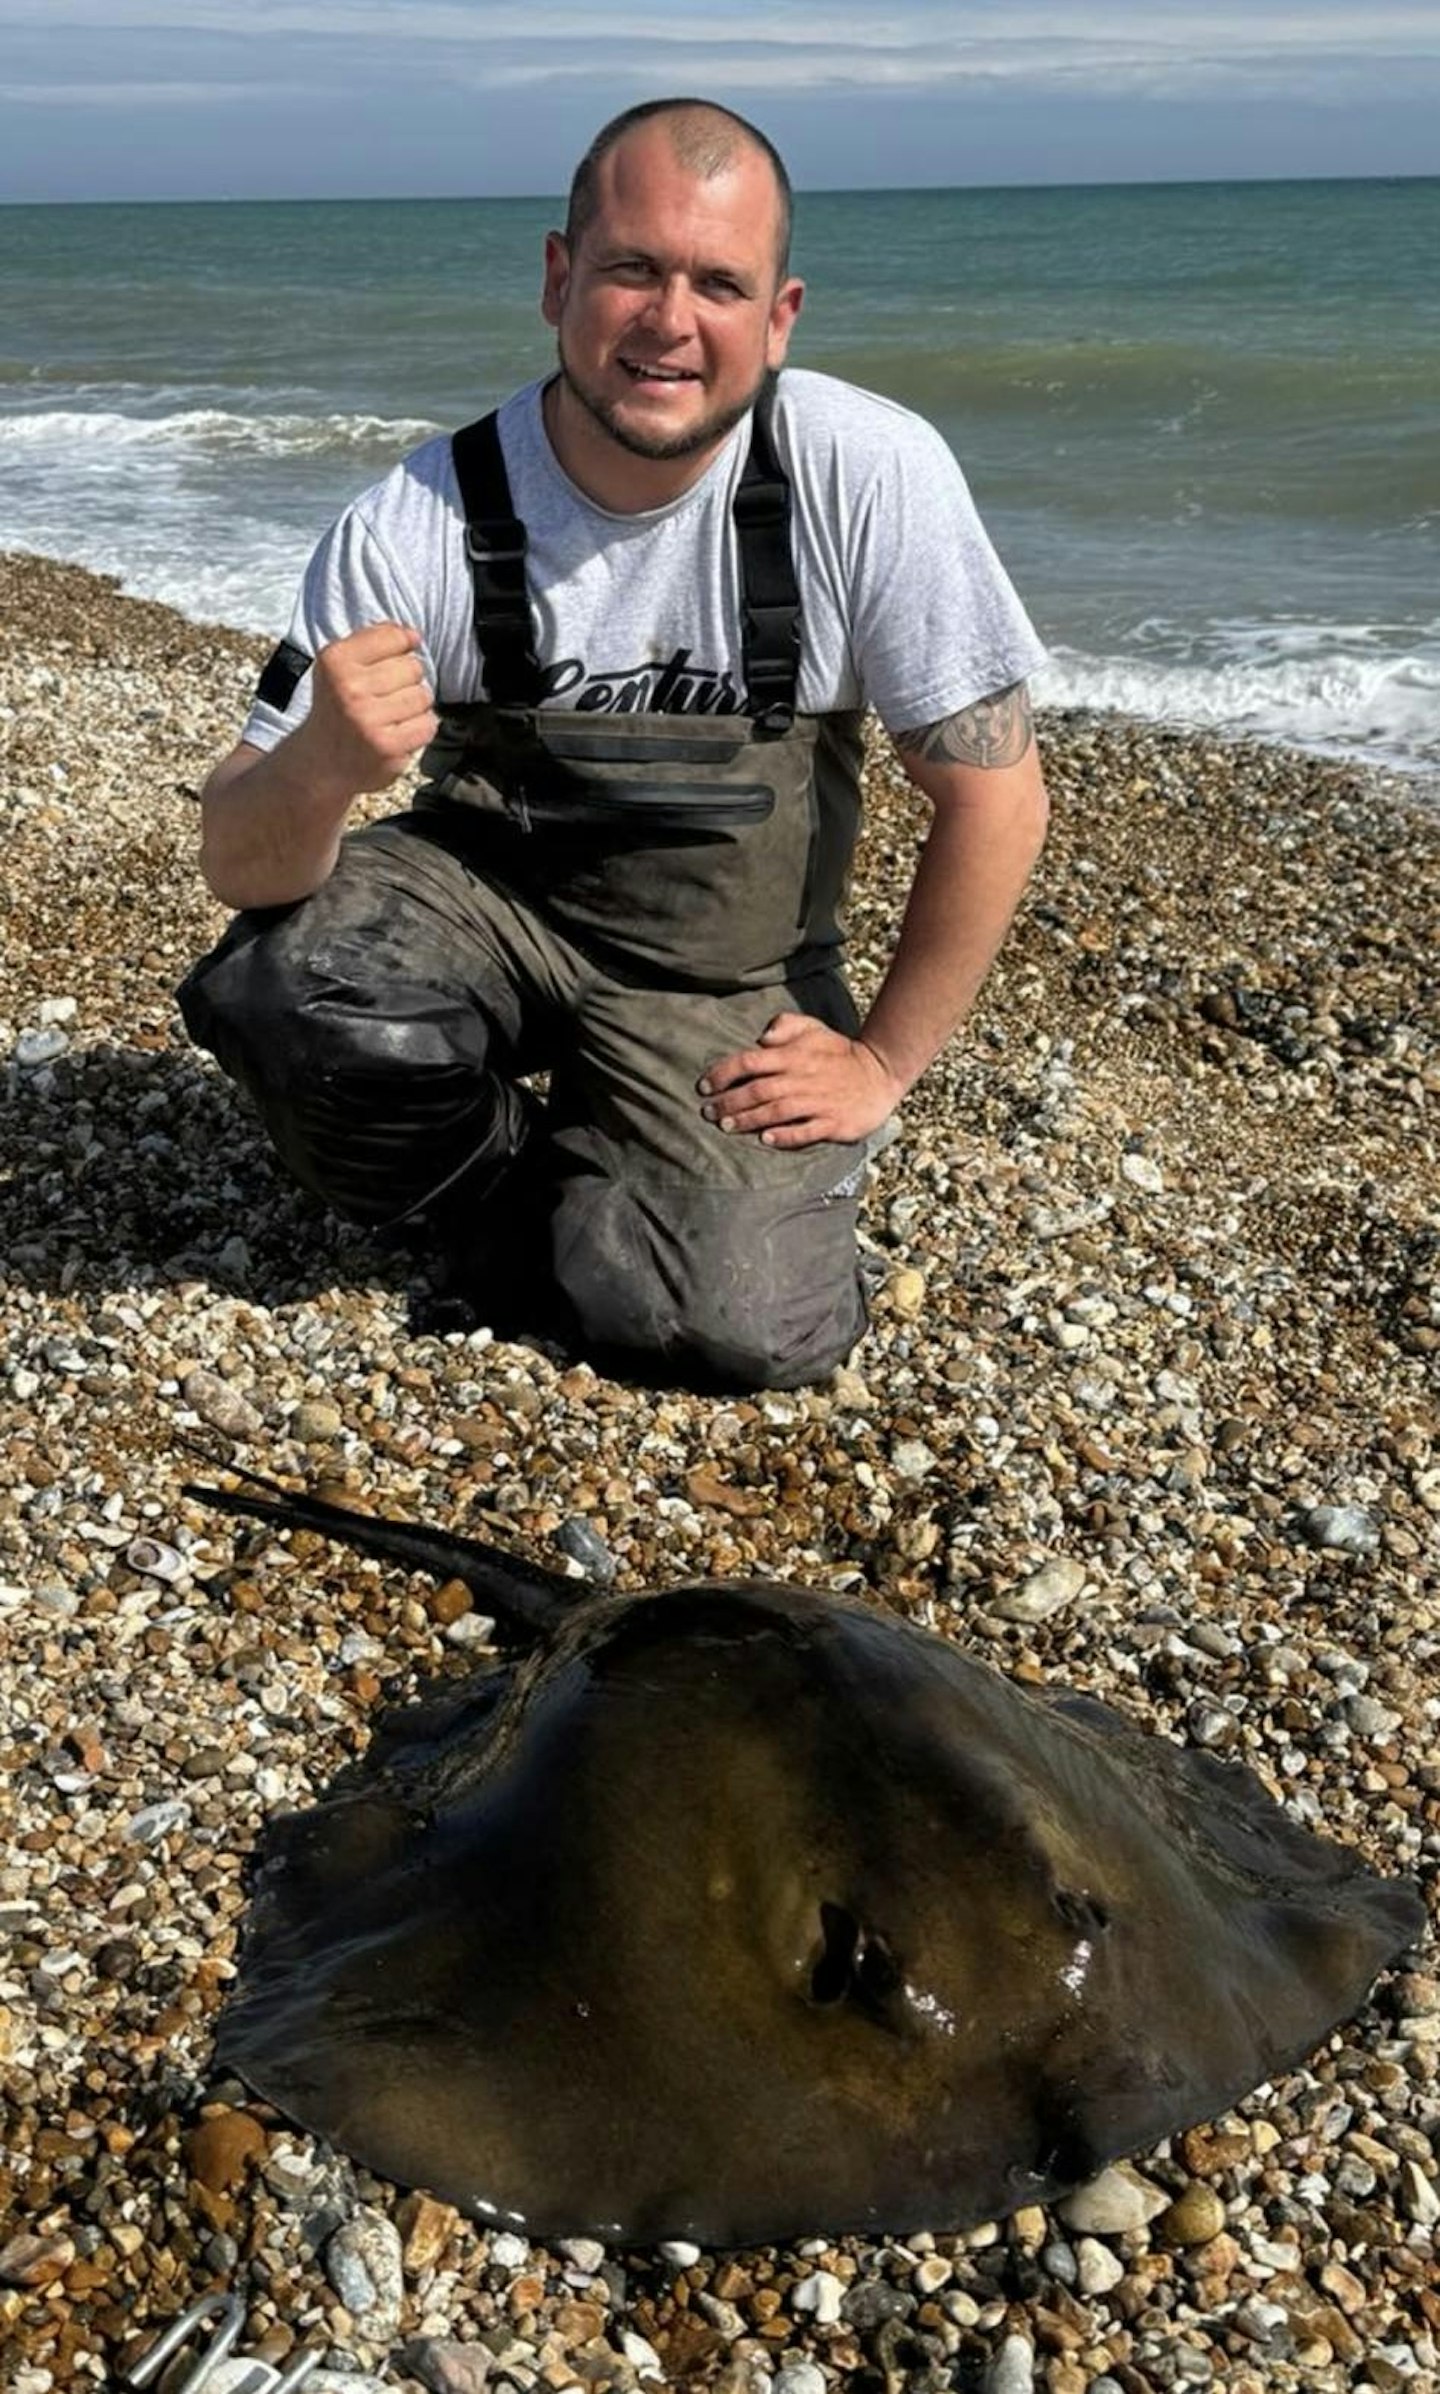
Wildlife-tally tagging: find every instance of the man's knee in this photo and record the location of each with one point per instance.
(275, 1007)
(723, 1287)
(756, 1333)
(376, 1088)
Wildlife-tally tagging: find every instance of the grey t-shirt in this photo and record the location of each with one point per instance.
(905, 606)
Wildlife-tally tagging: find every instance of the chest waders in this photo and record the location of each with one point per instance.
(692, 851)
(620, 899)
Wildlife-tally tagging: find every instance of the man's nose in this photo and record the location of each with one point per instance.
(672, 309)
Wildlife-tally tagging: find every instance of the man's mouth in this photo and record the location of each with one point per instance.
(641, 370)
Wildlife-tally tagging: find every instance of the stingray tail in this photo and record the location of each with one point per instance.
(523, 1595)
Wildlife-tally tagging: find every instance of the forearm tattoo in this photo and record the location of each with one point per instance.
(995, 731)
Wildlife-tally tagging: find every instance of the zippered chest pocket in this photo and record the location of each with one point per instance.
(661, 843)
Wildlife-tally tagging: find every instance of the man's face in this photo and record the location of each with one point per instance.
(669, 314)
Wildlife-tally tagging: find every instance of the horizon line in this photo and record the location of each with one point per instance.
(411, 199)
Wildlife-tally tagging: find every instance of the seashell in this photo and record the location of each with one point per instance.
(155, 1559)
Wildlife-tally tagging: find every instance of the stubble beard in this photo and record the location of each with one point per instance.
(707, 434)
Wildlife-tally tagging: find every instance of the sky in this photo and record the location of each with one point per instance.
(219, 99)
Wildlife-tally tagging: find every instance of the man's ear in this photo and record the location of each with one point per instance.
(557, 277)
(784, 308)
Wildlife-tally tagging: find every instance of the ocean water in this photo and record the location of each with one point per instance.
(1202, 421)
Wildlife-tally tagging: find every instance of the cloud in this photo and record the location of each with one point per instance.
(375, 74)
(506, 41)
(132, 95)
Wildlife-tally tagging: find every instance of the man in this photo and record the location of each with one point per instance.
(632, 620)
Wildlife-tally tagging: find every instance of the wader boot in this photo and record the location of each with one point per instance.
(620, 899)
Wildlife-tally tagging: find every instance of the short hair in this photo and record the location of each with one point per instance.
(706, 138)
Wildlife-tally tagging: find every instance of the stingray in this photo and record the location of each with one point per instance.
(738, 1912)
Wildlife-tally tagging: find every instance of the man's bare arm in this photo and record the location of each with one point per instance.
(271, 820)
(980, 769)
(802, 1082)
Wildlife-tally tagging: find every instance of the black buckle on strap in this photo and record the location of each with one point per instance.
(495, 544)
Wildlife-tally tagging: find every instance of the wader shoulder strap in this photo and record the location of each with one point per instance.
(495, 547)
(770, 603)
(770, 595)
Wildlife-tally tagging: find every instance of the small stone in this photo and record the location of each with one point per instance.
(364, 2262)
(450, 1602)
(1416, 1996)
(641, 2354)
(906, 1292)
(1206, 2151)
(932, 2271)
(509, 2252)
(426, 2228)
(1055, 1584)
(471, 1629)
(1143, 1172)
(1012, 2370)
(1261, 2321)
(1193, 2218)
(820, 2295)
(1342, 2283)
(35, 2261)
(799, 2377)
(911, 1458)
(117, 1960)
(705, 1485)
(577, 1538)
(849, 1391)
(1097, 2269)
(869, 2302)
(1057, 2259)
(1370, 1719)
(154, 1821)
(722, 2316)
(1211, 1725)
(220, 1405)
(579, 2322)
(316, 1423)
(583, 2252)
(1115, 2204)
(446, 2366)
(1343, 1529)
(34, 1048)
(679, 2253)
(1419, 2199)
(224, 2147)
(205, 1762)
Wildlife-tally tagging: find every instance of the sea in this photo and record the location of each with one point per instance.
(1202, 421)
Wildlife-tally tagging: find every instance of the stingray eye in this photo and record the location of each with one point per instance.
(1082, 1913)
(853, 1962)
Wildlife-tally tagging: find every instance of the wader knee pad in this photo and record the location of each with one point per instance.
(373, 1099)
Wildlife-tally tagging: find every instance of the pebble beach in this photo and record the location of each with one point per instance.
(1149, 1407)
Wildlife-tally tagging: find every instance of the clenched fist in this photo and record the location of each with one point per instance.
(371, 708)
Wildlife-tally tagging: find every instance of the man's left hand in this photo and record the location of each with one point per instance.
(800, 1084)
